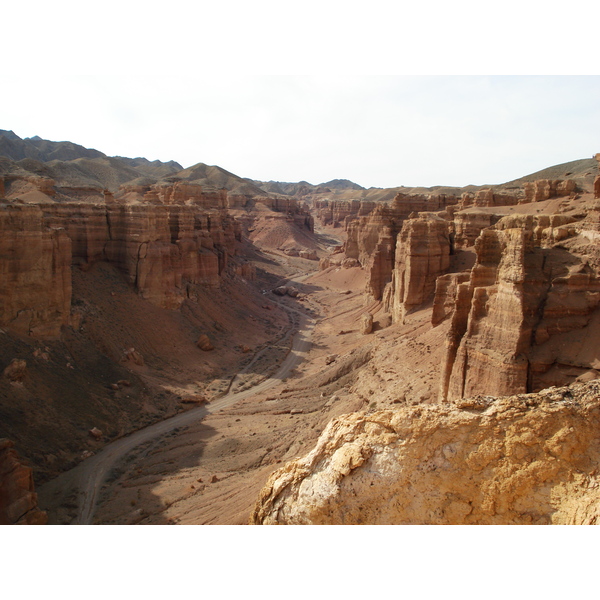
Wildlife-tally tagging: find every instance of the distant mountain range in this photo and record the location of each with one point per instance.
(72, 165)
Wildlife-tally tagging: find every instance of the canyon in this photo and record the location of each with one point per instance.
(187, 346)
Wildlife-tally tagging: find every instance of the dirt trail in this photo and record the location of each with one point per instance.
(91, 474)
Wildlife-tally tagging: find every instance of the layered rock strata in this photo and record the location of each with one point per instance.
(469, 224)
(525, 459)
(160, 249)
(544, 189)
(513, 316)
(363, 233)
(337, 212)
(422, 254)
(18, 500)
(35, 272)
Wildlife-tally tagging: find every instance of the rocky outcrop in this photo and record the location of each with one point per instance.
(544, 189)
(525, 459)
(381, 265)
(18, 501)
(422, 254)
(366, 324)
(513, 317)
(160, 249)
(469, 224)
(487, 197)
(16, 371)
(192, 194)
(444, 301)
(35, 272)
(363, 233)
(337, 212)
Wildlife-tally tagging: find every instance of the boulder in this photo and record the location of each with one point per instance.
(366, 323)
(96, 433)
(15, 372)
(204, 343)
(133, 356)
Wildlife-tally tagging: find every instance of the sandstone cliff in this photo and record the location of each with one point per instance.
(526, 299)
(35, 273)
(526, 459)
(18, 501)
(422, 254)
(161, 250)
(543, 189)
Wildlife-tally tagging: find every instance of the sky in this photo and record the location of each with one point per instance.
(382, 94)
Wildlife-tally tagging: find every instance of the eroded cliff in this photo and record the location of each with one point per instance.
(18, 501)
(527, 300)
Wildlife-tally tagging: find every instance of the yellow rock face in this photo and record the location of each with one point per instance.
(525, 459)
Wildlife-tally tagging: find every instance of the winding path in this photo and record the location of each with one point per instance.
(95, 469)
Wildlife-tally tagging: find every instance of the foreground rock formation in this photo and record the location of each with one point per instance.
(525, 459)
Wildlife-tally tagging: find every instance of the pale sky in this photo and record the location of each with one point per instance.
(317, 91)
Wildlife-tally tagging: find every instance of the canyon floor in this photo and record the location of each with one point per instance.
(211, 470)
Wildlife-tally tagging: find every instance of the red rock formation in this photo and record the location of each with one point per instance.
(35, 273)
(446, 288)
(363, 232)
(336, 212)
(511, 316)
(191, 194)
(469, 224)
(544, 189)
(160, 249)
(18, 501)
(487, 197)
(381, 266)
(422, 254)
(247, 271)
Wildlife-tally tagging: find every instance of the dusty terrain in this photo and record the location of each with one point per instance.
(184, 346)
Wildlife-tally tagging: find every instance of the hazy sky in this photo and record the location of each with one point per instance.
(320, 91)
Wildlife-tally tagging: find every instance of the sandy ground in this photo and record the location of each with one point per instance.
(211, 472)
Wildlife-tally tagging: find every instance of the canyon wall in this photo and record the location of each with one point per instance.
(527, 459)
(160, 249)
(544, 189)
(524, 300)
(422, 254)
(35, 272)
(338, 212)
